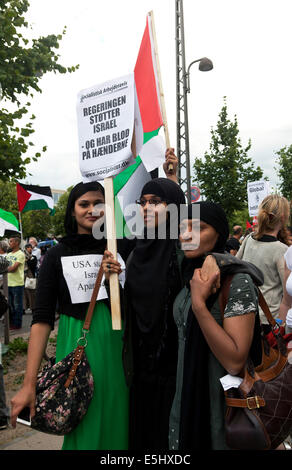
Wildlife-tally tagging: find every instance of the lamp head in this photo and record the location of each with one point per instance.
(205, 64)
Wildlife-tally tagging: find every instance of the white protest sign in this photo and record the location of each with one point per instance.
(105, 117)
(80, 273)
(256, 192)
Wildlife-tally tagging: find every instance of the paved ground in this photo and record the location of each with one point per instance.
(34, 440)
(31, 440)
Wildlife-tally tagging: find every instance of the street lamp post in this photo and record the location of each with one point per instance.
(182, 89)
(205, 65)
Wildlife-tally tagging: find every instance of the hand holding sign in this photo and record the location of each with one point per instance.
(110, 265)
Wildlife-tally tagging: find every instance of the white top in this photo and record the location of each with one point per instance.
(269, 258)
(288, 259)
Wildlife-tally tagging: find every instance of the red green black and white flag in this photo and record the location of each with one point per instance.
(32, 197)
(8, 222)
(128, 184)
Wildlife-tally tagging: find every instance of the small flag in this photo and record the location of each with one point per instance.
(128, 184)
(34, 198)
(248, 225)
(8, 221)
(254, 221)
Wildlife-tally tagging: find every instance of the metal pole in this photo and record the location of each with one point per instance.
(184, 174)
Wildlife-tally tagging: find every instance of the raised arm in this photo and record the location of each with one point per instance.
(231, 343)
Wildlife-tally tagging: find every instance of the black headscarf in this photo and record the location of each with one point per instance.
(212, 214)
(81, 242)
(147, 275)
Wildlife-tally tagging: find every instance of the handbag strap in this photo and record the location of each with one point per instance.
(79, 351)
(90, 310)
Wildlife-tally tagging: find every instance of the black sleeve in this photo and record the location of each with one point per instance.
(47, 291)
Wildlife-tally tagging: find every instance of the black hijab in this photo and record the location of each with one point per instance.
(211, 213)
(81, 243)
(195, 402)
(148, 272)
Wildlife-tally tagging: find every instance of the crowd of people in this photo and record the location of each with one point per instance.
(157, 380)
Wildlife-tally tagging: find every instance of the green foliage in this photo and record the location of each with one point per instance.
(22, 64)
(60, 211)
(239, 217)
(284, 171)
(36, 223)
(225, 170)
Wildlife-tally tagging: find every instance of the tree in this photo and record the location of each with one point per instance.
(22, 64)
(60, 211)
(284, 172)
(226, 168)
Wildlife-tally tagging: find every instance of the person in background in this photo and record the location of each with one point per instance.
(4, 411)
(16, 282)
(289, 230)
(3, 252)
(285, 311)
(236, 236)
(247, 232)
(30, 268)
(35, 250)
(232, 246)
(264, 249)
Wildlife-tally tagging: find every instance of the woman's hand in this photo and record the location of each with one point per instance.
(209, 268)
(202, 288)
(110, 265)
(170, 159)
(24, 397)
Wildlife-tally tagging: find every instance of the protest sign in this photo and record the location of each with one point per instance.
(105, 117)
(256, 192)
(80, 273)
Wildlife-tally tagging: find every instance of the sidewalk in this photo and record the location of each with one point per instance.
(28, 439)
(34, 440)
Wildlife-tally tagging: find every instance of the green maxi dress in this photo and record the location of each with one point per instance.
(105, 425)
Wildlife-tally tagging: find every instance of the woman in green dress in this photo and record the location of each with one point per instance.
(105, 425)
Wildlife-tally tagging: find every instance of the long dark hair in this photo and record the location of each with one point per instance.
(78, 190)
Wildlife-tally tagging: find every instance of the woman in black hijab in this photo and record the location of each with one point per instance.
(211, 344)
(152, 282)
(105, 425)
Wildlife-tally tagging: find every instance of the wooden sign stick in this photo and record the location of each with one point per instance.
(112, 247)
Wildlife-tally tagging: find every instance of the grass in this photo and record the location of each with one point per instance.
(15, 347)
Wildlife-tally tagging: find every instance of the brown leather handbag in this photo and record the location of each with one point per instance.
(259, 412)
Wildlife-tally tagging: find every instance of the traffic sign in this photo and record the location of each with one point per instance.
(195, 193)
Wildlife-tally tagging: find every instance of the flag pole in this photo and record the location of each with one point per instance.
(20, 225)
(161, 93)
(112, 247)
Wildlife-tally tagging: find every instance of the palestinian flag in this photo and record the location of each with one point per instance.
(128, 184)
(8, 222)
(32, 198)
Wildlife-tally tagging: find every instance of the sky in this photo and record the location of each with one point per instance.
(248, 41)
